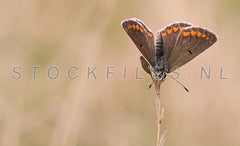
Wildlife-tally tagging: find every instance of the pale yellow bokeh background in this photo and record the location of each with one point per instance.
(114, 112)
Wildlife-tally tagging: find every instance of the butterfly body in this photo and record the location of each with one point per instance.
(176, 44)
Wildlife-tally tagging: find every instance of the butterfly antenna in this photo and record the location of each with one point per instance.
(178, 82)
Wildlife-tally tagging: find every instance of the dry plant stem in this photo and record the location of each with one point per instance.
(160, 139)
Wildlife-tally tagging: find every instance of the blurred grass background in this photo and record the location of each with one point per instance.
(114, 112)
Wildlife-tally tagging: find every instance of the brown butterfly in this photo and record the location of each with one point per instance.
(176, 44)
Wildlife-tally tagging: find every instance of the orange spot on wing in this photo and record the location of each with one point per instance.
(203, 36)
(164, 34)
(207, 38)
(199, 34)
(169, 31)
(180, 27)
(130, 26)
(141, 30)
(126, 30)
(210, 42)
(186, 33)
(193, 33)
(133, 26)
(137, 27)
(175, 29)
(149, 34)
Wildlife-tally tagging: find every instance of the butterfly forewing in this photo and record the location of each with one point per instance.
(191, 41)
(170, 34)
(142, 37)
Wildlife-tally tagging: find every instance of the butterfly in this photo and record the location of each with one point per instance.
(176, 44)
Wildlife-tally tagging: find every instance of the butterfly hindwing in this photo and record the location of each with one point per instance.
(142, 37)
(145, 65)
(190, 43)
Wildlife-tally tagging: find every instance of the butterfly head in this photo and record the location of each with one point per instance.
(158, 74)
